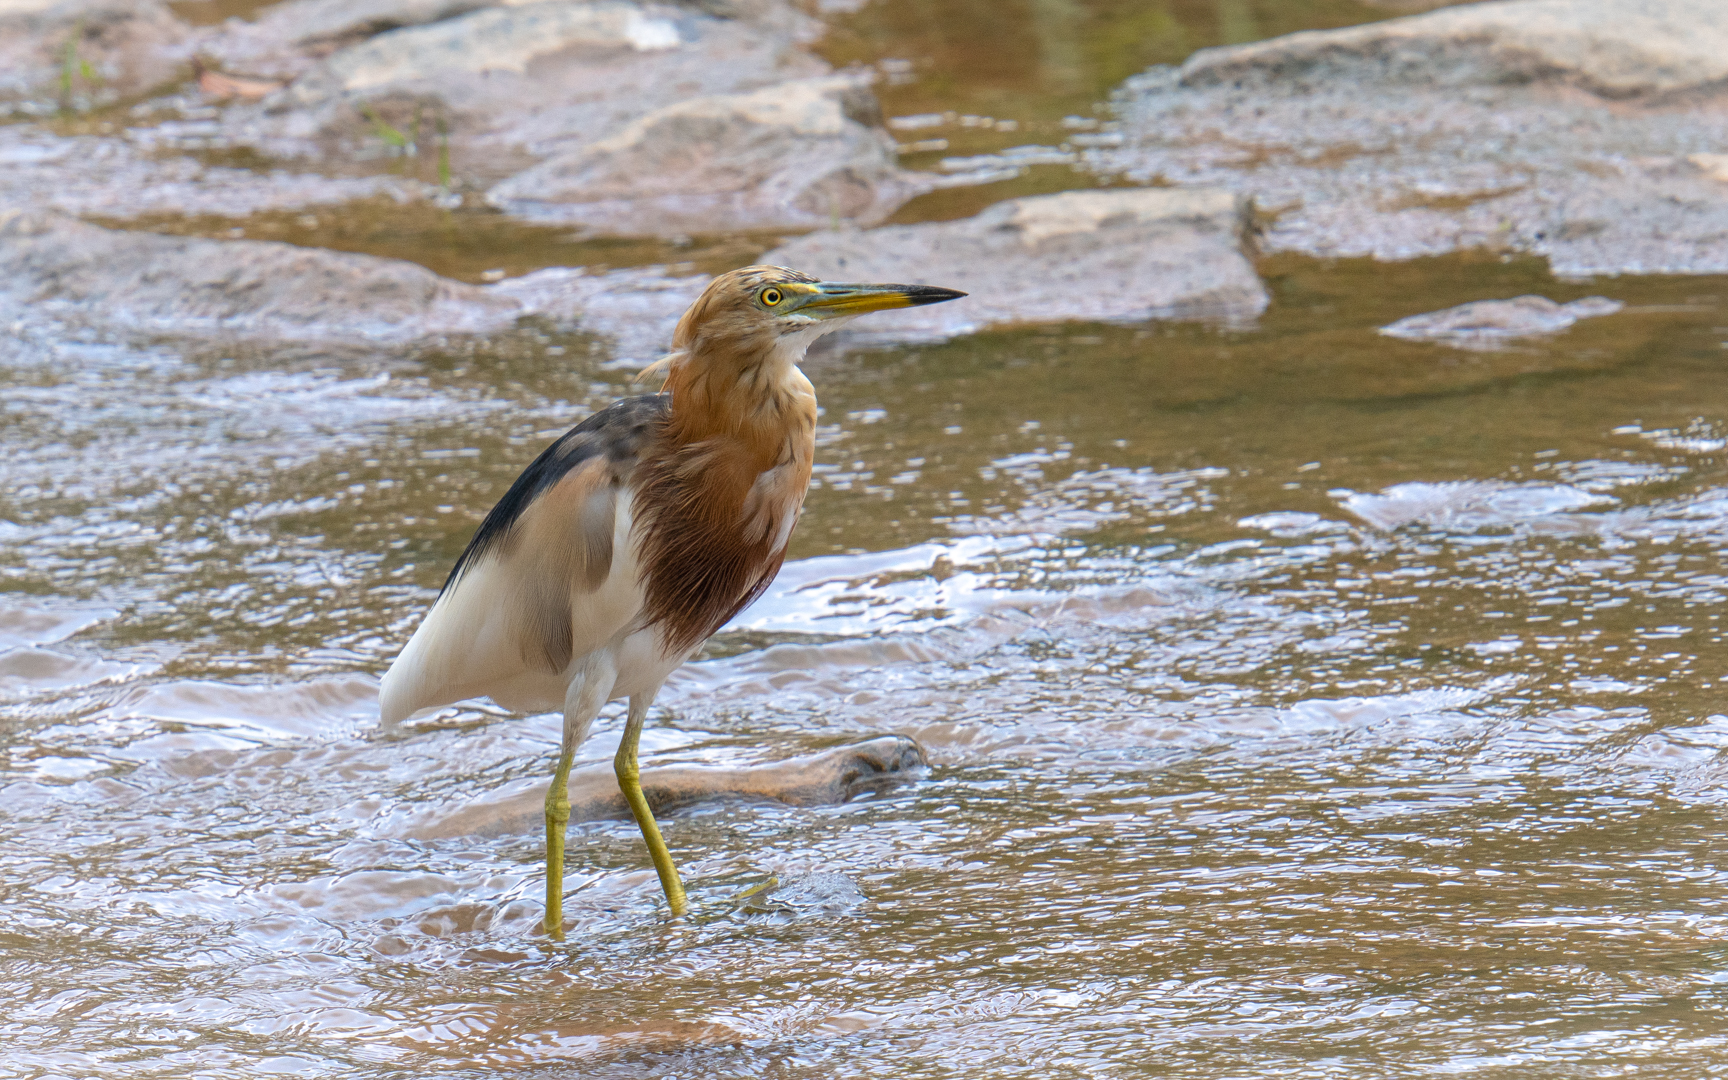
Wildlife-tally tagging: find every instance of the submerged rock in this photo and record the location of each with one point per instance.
(1491, 324)
(1113, 255)
(831, 776)
(1581, 130)
(794, 155)
(822, 894)
(1468, 506)
(57, 268)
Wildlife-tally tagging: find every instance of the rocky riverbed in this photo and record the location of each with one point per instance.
(1590, 132)
(1585, 131)
(1273, 626)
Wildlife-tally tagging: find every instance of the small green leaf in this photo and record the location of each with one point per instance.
(383, 130)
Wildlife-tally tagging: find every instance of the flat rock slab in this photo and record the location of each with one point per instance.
(826, 778)
(1115, 255)
(506, 85)
(794, 155)
(1612, 48)
(57, 268)
(54, 268)
(288, 39)
(130, 177)
(1585, 131)
(480, 42)
(1492, 324)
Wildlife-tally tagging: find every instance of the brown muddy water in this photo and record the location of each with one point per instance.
(1299, 701)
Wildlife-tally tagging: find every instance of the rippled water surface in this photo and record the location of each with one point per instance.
(1298, 701)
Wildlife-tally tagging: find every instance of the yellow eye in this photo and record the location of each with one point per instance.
(771, 297)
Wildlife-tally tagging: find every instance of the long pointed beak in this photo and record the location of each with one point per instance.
(833, 299)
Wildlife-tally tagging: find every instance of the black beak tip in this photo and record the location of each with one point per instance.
(920, 295)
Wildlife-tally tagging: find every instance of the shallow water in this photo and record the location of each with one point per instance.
(1298, 700)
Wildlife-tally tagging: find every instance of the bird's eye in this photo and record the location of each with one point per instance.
(771, 297)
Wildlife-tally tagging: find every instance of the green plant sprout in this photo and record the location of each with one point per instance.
(73, 66)
(443, 153)
(390, 135)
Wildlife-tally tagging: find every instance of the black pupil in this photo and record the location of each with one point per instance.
(772, 296)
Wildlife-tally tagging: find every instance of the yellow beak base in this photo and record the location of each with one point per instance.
(833, 299)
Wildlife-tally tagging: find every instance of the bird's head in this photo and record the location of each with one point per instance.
(760, 312)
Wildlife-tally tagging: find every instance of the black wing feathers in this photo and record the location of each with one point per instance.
(616, 433)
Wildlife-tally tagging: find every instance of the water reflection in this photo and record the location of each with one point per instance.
(1035, 82)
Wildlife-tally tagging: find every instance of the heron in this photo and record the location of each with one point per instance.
(638, 533)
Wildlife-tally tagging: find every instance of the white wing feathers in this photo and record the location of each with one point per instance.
(515, 620)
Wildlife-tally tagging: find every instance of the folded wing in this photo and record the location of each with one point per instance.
(549, 576)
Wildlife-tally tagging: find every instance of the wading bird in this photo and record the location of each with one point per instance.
(639, 533)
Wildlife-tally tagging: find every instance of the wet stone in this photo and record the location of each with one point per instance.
(56, 268)
(1114, 255)
(1301, 694)
(794, 155)
(1611, 48)
(1490, 324)
(312, 101)
(75, 273)
(479, 42)
(289, 39)
(501, 88)
(140, 174)
(85, 52)
(829, 777)
(1572, 129)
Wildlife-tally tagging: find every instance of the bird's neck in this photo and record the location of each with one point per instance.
(766, 407)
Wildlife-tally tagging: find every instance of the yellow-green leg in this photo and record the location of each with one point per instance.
(557, 819)
(589, 689)
(630, 782)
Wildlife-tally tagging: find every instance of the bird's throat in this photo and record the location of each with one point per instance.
(766, 408)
